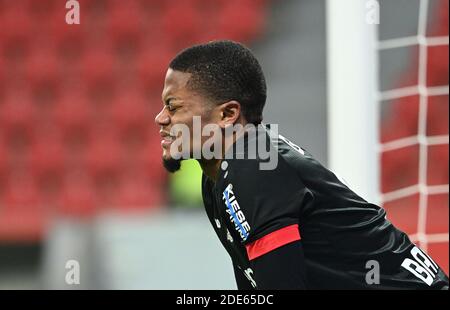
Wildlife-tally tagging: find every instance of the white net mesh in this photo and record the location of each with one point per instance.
(418, 203)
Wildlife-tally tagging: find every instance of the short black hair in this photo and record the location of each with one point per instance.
(225, 71)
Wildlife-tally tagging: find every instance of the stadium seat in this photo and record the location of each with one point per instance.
(405, 160)
(136, 192)
(439, 27)
(6, 5)
(129, 111)
(21, 192)
(397, 209)
(97, 68)
(183, 31)
(15, 31)
(132, 115)
(439, 252)
(69, 40)
(3, 162)
(23, 216)
(104, 155)
(17, 113)
(437, 67)
(438, 116)
(3, 75)
(437, 214)
(152, 64)
(42, 69)
(149, 158)
(47, 154)
(77, 197)
(42, 9)
(124, 24)
(241, 20)
(154, 5)
(437, 165)
(72, 114)
(402, 120)
(87, 6)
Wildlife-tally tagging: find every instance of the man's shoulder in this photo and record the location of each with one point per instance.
(247, 176)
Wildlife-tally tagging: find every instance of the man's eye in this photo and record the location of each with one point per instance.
(170, 108)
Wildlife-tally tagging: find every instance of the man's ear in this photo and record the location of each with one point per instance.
(230, 113)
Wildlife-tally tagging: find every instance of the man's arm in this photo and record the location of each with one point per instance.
(281, 268)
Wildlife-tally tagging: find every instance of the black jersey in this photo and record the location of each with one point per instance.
(346, 242)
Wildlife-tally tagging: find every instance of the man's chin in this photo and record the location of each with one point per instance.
(172, 165)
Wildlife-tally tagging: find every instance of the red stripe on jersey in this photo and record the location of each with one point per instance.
(273, 241)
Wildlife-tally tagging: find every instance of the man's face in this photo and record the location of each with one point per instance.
(180, 106)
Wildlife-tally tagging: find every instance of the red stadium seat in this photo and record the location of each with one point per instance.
(405, 160)
(4, 157)
(153, 5)
(183, 24)
(209, 6)
(154, 100)
(152, 64)
(77, 197)
(437, 214)
(124, 24)
(97, 68)
(437, 67)
(47, 154)
(104, 156)
(403, 119)
(15, 31)
(7, 5)
(42, 69)
(241, 20)
(130, 111)
(150, 160)
(437, 115)
(104, 160)
(23, 215)
(137, 192)
(45, 159)
(439, 252)
(17, 113)
(437, 165)
(42, 9)
(21, 192)
(69, 40)
(397, 209)
(72, 114)
(3, 75)
(87, 6)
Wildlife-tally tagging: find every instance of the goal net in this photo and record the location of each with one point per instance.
(388, 108)
(414, 133)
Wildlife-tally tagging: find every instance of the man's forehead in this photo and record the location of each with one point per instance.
(175, 81)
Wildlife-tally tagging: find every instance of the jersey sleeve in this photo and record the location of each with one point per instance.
(265, 206)
(282, 268)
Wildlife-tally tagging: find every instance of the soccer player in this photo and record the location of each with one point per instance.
(292, 225)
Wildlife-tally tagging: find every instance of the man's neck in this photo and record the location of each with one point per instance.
(211, 167)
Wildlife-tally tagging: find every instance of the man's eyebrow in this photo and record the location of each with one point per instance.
(168, 100)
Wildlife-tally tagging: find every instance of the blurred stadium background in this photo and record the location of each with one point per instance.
(80, 170)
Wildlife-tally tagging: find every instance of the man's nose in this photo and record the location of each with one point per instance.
(162, 118)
